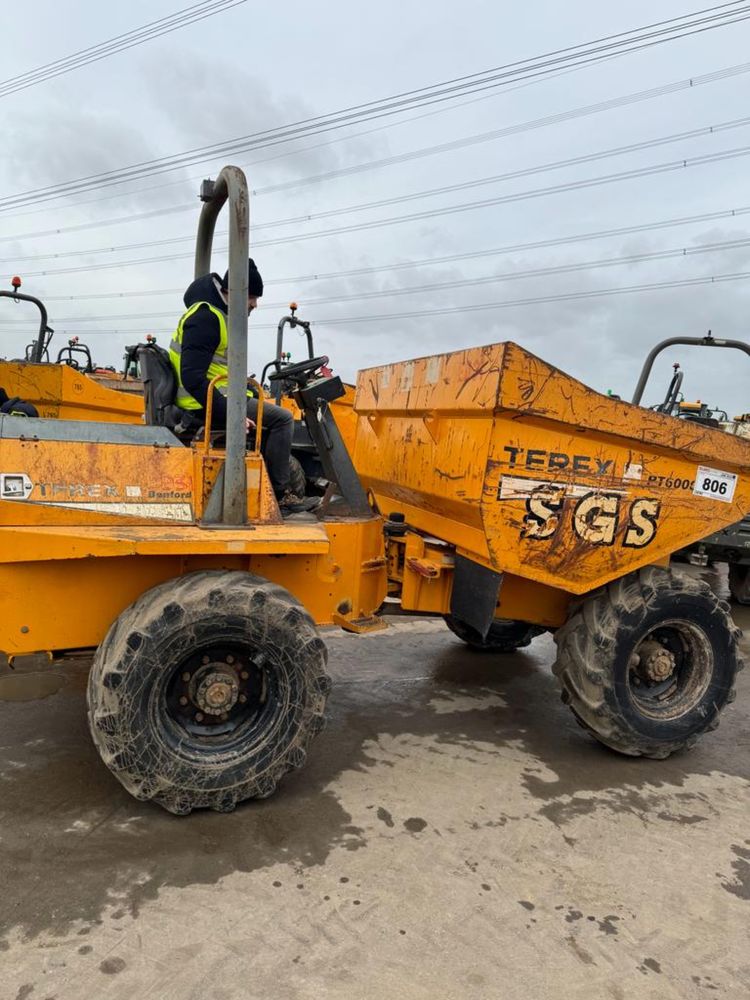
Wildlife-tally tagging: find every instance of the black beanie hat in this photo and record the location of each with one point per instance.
(254, 280)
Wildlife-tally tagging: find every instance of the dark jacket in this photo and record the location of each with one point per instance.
(200, 338)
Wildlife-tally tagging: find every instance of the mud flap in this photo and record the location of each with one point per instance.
(475, 594)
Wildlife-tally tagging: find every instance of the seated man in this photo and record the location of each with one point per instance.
(198, 352)
(16, 407)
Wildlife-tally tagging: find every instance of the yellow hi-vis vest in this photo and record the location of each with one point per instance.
(218, 364)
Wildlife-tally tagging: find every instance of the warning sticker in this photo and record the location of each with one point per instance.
(714, 484)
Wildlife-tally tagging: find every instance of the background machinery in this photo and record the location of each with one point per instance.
(730, 544)
(72, 388)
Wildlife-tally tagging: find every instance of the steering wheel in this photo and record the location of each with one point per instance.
(297, 372)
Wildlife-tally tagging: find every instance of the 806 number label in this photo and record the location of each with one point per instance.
(714, 484)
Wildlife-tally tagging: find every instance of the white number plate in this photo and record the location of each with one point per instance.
(714, 484)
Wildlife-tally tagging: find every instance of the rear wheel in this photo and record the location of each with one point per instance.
(739, 583)
(504, 635)
(207, 690)
(648, 663)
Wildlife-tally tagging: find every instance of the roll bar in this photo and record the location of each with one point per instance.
(293, 321)
(231, 185)
(41, 343)
(707, 341)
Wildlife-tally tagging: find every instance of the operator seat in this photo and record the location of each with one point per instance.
(159, 391)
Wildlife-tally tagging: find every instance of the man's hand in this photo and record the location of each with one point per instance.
(249, 425)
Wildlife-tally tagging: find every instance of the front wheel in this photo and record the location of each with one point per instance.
(207, 690)
(648, 663)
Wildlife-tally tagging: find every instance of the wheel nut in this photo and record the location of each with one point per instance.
(199, 716)
(230, 658)
(224, 716)
(186, 676)
(183, 700)
(244, 675)
(243, 698)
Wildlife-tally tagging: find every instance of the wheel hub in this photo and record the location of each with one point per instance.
(655, 662)
(217, 692)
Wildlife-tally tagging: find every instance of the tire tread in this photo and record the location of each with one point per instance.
(583, 641)
(282, 616)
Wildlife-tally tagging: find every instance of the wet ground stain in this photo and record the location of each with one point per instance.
(31, 686)
(649, 965)
(385, 817)
(705, 982)
(111, 966)
(740, 884)
(579, 951)
(382, 688)
(607, 924)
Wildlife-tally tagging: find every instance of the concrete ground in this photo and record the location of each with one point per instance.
(455, 835)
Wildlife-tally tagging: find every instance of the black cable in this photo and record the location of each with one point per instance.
(733, 213)
(430, 192)
(477, 307)
(120, 43)
(514, 174)
(539, 299)
(439, 286)
(689, 83)
(512, 248)
(499, 76)
(537, 272)
(622, 175)
(94, 49)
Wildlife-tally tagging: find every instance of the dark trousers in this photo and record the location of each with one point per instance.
(276, 442)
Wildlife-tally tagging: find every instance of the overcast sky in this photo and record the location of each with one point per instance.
(264, 65)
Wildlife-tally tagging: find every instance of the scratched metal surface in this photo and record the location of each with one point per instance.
(525, 467)
(61, 391)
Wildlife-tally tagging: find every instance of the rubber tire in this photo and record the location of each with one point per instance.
(594, 648)
(297, 477)
(504, 636)
(739, 582)
(145, 749)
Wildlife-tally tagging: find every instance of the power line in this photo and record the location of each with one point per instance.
(81, 227)
(689, 83)
(476, 307)
(528, 172)
(154, 29)
(641, 145)
(537, 272)
(439, 286)
(631, 41)
(730, 213)
(457, 105)
(540, 299)
(568, 186)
